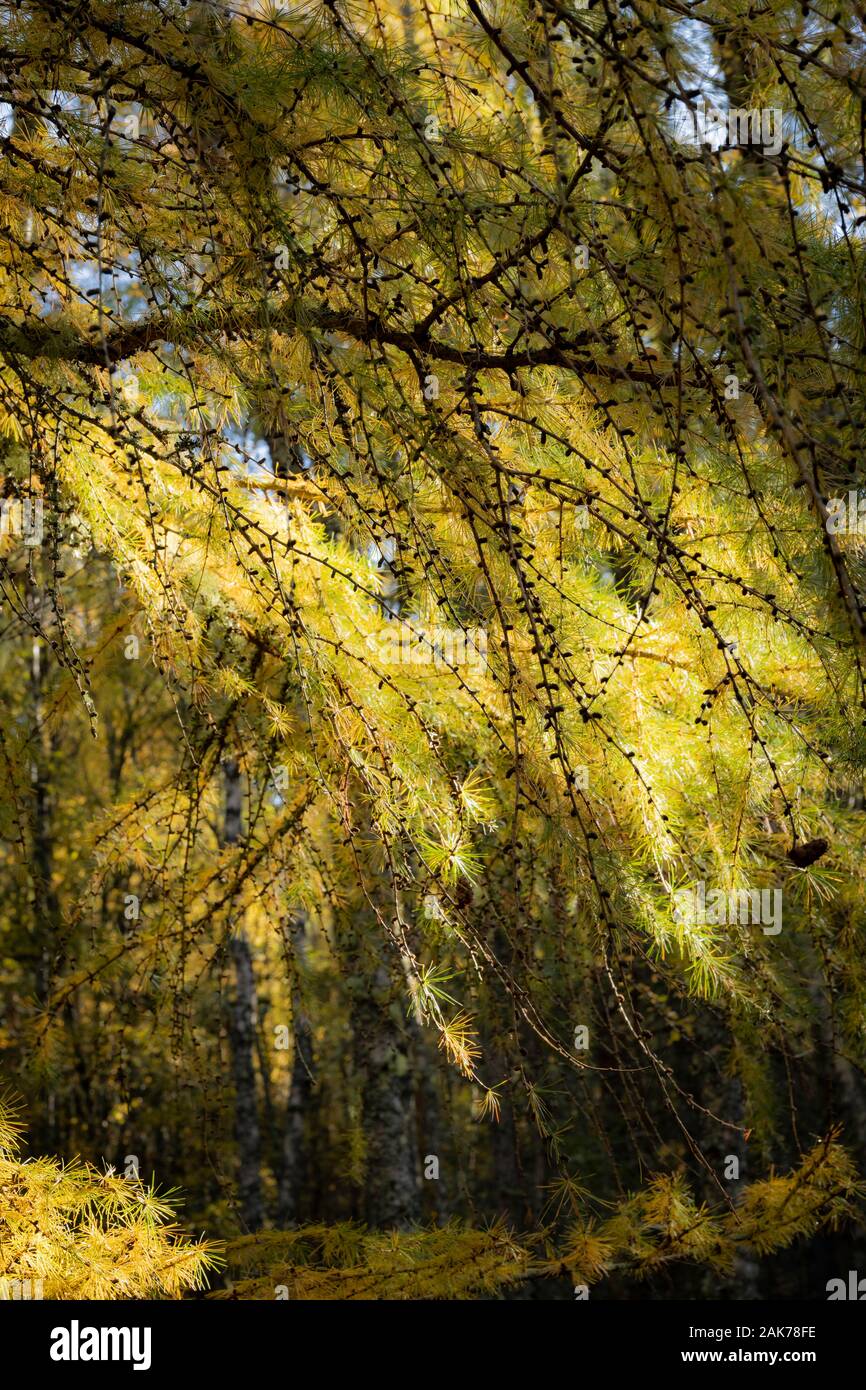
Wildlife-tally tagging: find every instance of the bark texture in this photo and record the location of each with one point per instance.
(381, 1051)
(242, 1036)
(295, 1156)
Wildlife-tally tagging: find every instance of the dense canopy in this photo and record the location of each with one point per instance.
(432, 675)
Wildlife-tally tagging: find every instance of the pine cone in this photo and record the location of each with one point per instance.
(804, 855)
(462, 893)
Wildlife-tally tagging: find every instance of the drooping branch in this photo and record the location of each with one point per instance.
(59, 342)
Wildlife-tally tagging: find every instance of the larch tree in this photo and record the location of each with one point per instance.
(433, 612)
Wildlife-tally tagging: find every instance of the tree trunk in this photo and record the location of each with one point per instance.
(242, 1037)
(46, 907)
(381, 1057)
(294, 1152)
(45, 900)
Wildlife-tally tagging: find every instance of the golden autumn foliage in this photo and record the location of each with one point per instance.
(424, 592)
(70, 1232)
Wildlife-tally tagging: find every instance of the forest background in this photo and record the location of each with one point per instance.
(432, 667)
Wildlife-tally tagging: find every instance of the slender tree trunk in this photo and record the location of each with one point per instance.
(45, 900)
(293, 1170)
(437, 1183)
(392, 1177)
(242, 1032)
(382, 1064)
(242, 1037)
(46, 907)
(438, 1191)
